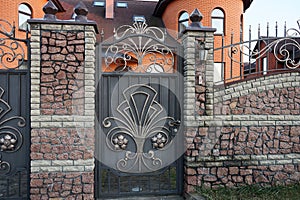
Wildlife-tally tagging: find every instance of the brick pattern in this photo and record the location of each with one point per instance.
(62, 74)
(70, 186)
(62, 110)
(62, 144)
(235, 175)
(272, 102)
(10, 12)
(236, 156)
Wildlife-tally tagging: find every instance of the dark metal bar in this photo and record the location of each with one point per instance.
(119, 185)
(108, 180)
(259, 40)
(276, 29)
(19, 185)
(284, 29)
(7, 187)
(268, 54)
(222, 58)
(249, 57)
(241, 56)
(169, 177)
(231, 54)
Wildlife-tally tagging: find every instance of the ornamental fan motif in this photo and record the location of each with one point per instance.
(139, 120)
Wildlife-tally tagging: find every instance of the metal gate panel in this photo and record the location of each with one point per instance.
(139, 144)
(14, 135)
(14, 115)
(113, 182)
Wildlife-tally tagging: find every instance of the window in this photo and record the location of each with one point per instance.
(218, 72)
(183, 21)
(122, 5)
(139, 18)
(25, 13)
(217, 20)
(265, 65)
(99, 3)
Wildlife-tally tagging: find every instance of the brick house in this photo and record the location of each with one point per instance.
(86, 132)
(20, 11)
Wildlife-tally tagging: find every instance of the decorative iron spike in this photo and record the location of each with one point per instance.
(81, 12)
(50, 11)
(276, 29)
(196, 18)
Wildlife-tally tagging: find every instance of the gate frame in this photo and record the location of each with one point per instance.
(24, 44)
(99, 73)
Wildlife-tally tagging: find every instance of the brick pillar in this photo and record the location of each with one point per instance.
(198, 90)
(62, 108)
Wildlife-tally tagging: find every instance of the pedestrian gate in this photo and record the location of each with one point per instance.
(14, 114)
(139, 140)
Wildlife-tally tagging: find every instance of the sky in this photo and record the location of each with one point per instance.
(264, 11)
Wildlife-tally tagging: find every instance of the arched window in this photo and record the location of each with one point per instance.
(25, 13)
(218, 20)
(183, 21)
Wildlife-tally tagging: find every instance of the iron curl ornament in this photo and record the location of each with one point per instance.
(135, 124)
(11, 138)
(139, 48)
(283, 48)
(12, 53)
(4, 166)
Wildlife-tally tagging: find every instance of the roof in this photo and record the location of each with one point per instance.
(162, 4)
(122, 16)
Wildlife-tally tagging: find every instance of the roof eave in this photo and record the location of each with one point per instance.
(247, 4)
(160, 7)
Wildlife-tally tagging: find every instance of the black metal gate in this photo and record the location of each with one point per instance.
(14, 114)
(140, 140)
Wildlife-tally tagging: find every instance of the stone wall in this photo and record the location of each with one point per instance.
(252, 138)
(62, 109)
(62, 74)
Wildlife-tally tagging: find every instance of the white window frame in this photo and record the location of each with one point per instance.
(218, 21)
(265, 65)
(183, 21)
(24, 13)
(219, 72)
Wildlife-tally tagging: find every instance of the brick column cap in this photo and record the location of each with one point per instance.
(196, 25)
(65, 22)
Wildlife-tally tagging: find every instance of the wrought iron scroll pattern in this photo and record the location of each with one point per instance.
(138, 123)
(293, 32)
(12, 54)
(141, 46)
(284, 49)
(11, 138)
(279, 48)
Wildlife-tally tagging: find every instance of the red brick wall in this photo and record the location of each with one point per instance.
(9, 11)
(233, 10)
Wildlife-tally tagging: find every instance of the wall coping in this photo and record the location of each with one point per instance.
(65, 22)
